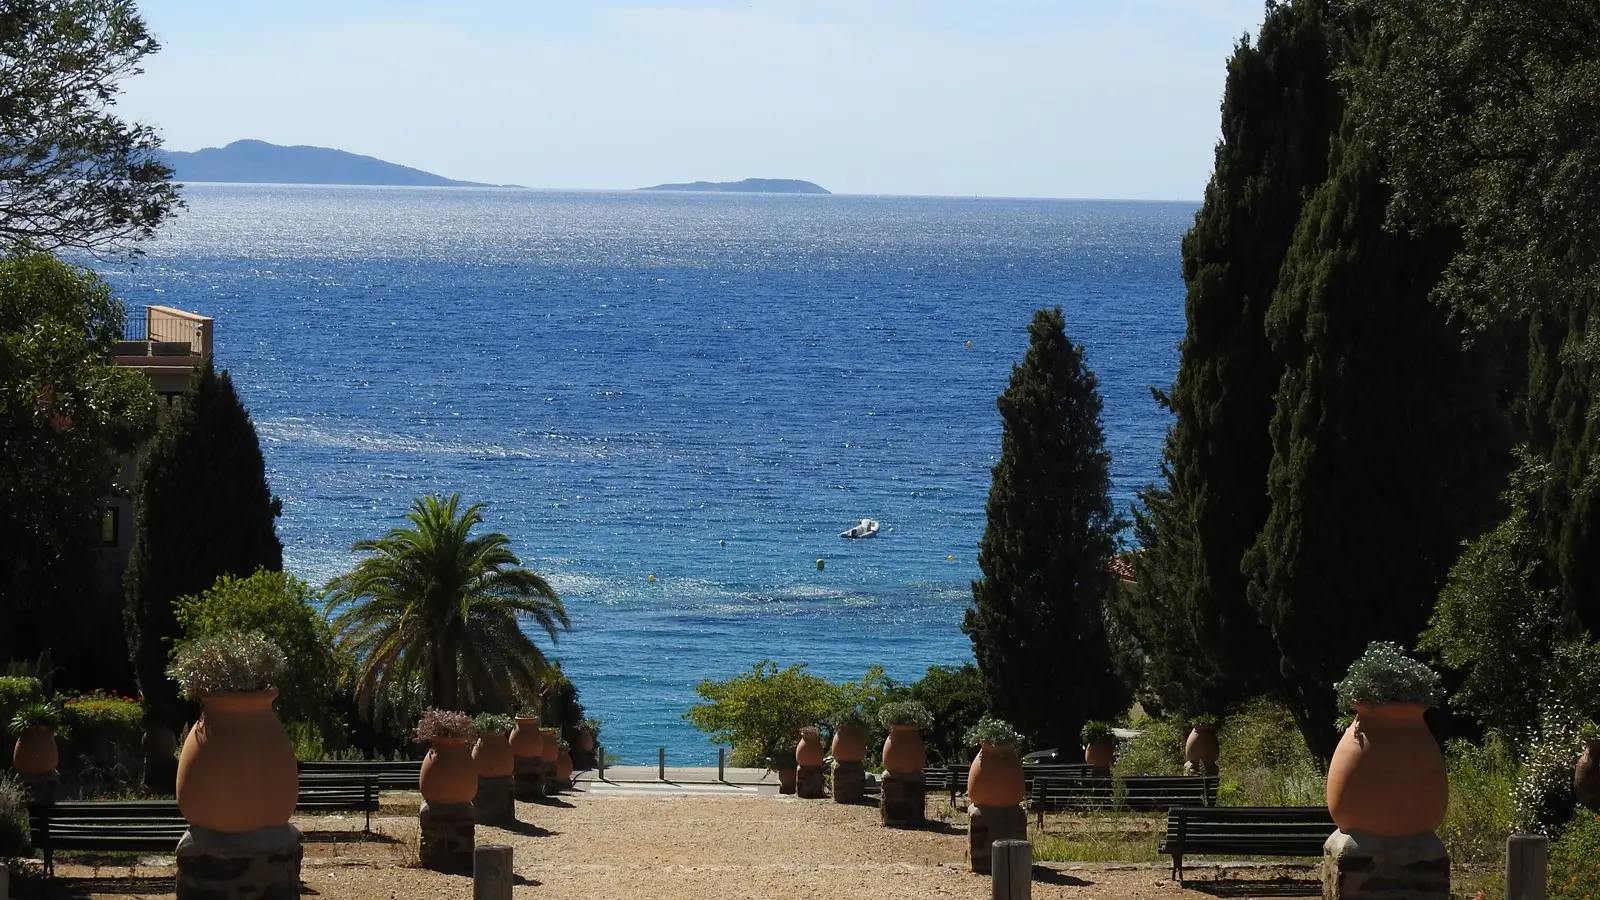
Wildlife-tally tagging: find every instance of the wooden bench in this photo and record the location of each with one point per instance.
(1244, 831)
(391, 776)
(1136, 793)
(147, 826)
(339, 792)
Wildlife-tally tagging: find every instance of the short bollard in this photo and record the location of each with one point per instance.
(661, 764)
(600, 761)
(722, 762)
(1012, 870)
(491, 872)
(1527, 859)
(5, 881)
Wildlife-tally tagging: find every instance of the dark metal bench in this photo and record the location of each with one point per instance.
(339, 792)
(1135, 793)
(391, 776)
(1245, 831)
(147, 826)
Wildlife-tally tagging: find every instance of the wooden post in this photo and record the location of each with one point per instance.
(600, 761)
(661, 764)
(491, 872)
(1011, 869)
(1527, 856)
(722, 762)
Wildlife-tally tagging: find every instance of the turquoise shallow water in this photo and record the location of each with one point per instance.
(705, 388)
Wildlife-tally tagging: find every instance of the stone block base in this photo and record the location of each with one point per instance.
(849, 782)
(994, 823)
(547, 774)
(1361, 866)
(528, 778)
(253, 865)
(447, 837)
(40, 786)
(809, 783)
(903, 801)
(494, 804)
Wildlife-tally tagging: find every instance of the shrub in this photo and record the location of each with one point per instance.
(103, 724)
(442, 724)
(759, 711)
(998, 732)
(1574, 872)
(1543, 794)
(593, 727)
(1203, 719)
(1480, 813)
(1385, 674)
(35, 715)
(225, 662)
(1095, 730)
(492, 723)
(13, 818)
(904, 712)
(15, 692)
(1266, 762)
(1158, 750)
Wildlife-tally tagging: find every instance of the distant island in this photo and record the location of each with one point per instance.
(258, 162)
(747, 186)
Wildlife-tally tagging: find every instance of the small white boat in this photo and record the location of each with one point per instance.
(864, 529)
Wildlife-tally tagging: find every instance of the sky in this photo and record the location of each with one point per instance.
(998, 98)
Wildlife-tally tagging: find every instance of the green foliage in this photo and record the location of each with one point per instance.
(560, 707)
(65, 414)
(998, 732)
(905, 712)
(1481, 812)
(955, 702)
(202, 510)
(761, 711)
(1038, 614)
(17, 691)
(1158, 749)
(38, 714)
(1265, 761)
(493, 723)
(1574, 867)
(432, 603)
(14, 839)
(437, 724)
(1385, 674)
(1203, 719)
(226, 661)
(1094, 731)
(103, 724)
(283, 609)
(1543, 797)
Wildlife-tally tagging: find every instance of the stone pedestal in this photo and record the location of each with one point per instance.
(994, 823)
(494, 805)
(447, 839)
(809, 783)
(547, 775)
(40, 786)
(849, 782)
(1361, 866)
(253, 865)
(903, 800)
(528, 777)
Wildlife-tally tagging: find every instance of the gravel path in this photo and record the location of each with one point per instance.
(674, 848)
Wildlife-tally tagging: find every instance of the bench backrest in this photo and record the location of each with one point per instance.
(1139, 793)
(1239, 824)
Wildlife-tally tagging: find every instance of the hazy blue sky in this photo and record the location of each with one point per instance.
(1052, 98)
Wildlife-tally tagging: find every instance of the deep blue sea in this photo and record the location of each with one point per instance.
(706, 388)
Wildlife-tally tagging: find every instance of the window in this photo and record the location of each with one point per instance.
(110, 526)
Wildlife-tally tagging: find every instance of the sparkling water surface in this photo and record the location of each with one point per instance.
(706, 388)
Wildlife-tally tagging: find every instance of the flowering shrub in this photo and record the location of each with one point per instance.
(439, 724)
(100, 720)
(226, 662)
(1385, 674)
(998, 732)
(905, 712)
(493, 723)
(13, 818)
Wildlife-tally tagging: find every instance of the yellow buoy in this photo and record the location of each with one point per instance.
(819, 565)
(950, 559)
(969, 345)
(652, 579)
(722, 543)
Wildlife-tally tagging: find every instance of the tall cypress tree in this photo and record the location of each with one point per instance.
(1388, 448)
(1037, 620)
(1204, 644)
(202, 509)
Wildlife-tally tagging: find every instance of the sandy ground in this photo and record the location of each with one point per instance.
(601, 845)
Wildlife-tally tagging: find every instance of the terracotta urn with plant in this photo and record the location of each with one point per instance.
(583, 739)
(564, 765)
(849, 737)
(1099, 744)
(783, 762)
(1200, 750)
(809, 752)
(1586, 775)
(1387, 776)
(995, 776)
(236, 772)
(549, 746)
(34, 726)
(492, 752)
(449, 773)
(527, 742)
(903, 751)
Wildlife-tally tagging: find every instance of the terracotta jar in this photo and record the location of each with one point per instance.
(158, 741)
(995, 778)
(526, 741)
(1201, 747)
(549, 749)
(809, 751)
(786, 780)
(585, 742)
(449, 774)
(849, 743)
(903, 752)
(1101, 753)
(1387, 776)
(35, 752)
(492, 754)
(564, 766)
(1586, 777)
(237, 770)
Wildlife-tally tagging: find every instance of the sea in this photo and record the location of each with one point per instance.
(671, 402)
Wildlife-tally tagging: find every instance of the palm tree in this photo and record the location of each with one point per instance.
(437, 610)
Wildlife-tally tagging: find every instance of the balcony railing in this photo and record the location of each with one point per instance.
(164, 331)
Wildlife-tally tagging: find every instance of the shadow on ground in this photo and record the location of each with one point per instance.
(1045, 875)
(1272, 887)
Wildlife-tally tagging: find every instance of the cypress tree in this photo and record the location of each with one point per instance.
(202, 510)
(1037, 621)
(1388, 449)
(1205, 646)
